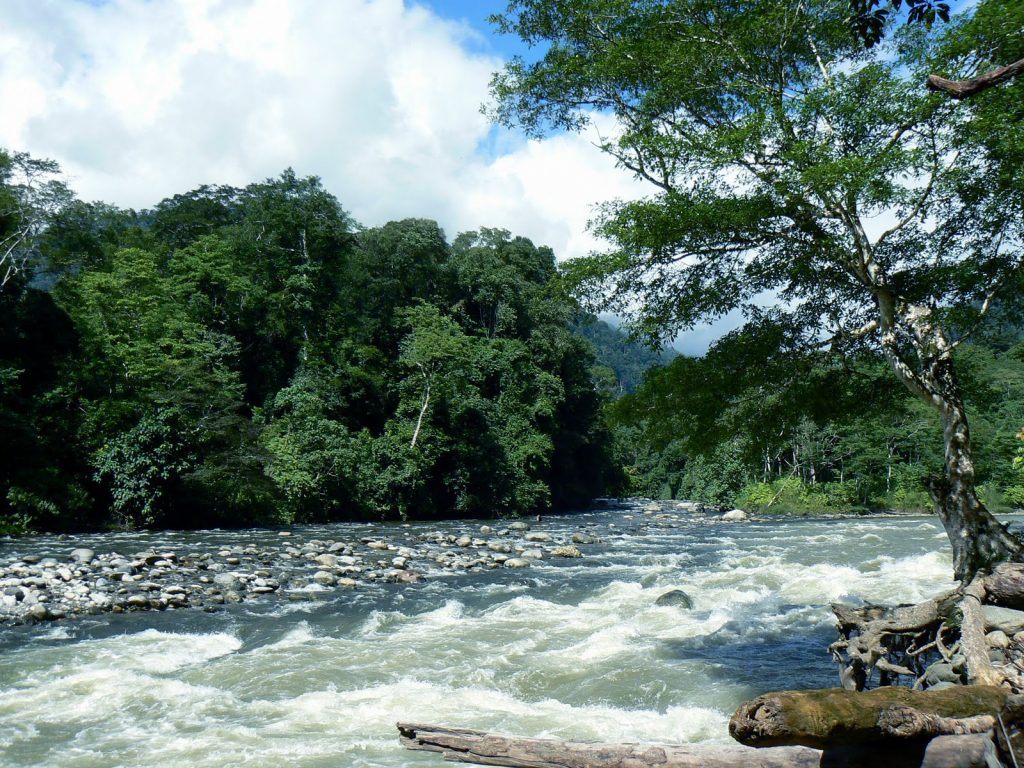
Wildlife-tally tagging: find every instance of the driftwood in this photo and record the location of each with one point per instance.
(903, 641)
(461, 745)
(833, 717)
(466, 746)
(906, 722)
(889, 640)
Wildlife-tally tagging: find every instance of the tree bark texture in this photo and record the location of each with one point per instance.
(962, 89)
(832, 717)
(973, 645)
(1005, 586)
(979, 541)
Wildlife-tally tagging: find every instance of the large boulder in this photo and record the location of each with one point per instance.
(735, 516)
(1005, 619)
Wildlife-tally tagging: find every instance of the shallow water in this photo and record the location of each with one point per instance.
(568, 648)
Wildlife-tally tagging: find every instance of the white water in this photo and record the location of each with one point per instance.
(573, 649)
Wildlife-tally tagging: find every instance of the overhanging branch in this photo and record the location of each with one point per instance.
(962, 89)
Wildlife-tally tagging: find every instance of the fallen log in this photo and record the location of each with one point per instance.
(831, 717)
(461, 745)
(467, 746)
(907, 722)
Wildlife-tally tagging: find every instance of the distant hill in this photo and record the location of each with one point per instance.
(627, 359)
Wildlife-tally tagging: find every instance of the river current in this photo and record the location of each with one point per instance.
(569, 648)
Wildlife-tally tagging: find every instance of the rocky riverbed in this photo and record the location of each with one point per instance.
(60, 584)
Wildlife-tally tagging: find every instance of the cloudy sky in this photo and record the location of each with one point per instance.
(139, 100)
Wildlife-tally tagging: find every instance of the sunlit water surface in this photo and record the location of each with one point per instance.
(568, 649)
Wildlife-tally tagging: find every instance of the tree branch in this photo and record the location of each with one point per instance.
(962, 89)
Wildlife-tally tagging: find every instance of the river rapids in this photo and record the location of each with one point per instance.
(568, 648)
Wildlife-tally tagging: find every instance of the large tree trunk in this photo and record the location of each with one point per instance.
(979, 541)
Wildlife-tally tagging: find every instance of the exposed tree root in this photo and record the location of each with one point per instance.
(942, 640)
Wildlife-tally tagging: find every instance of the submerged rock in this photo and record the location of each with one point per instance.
(675, 597)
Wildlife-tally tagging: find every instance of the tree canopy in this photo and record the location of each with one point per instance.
(252, 355)
(786, 161)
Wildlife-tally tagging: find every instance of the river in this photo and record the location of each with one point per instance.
(572, 648)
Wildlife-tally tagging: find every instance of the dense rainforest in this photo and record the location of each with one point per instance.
(241, 356)
(254, 356)
(842, 437)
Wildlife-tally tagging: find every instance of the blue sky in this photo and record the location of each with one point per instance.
(475, 13)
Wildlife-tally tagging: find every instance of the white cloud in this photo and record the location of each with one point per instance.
(140, 100)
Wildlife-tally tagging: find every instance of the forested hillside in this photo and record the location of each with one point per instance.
(809, 438)
(240, 356)
(622, 362)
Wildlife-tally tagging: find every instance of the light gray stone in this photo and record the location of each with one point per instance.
(997, 639)
(82, 555)
(1005, 619)
(324, 578)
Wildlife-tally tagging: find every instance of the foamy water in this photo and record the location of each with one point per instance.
(569, 649)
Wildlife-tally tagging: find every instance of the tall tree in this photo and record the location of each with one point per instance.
(31, 192)
(784, 159)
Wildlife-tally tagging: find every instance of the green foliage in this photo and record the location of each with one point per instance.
(621, 358)
(825, 439)
(245, 355)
